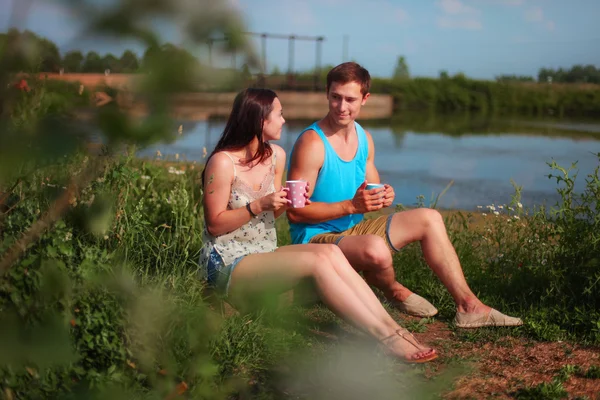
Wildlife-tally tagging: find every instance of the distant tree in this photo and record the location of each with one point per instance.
(111, 63)
(129, 62)
(276, 71)
(92, 62)
(49, 56)
(26, 51)
(515, 78)
(401, 70)
(444, 74)
(577, 74)
(73, 61)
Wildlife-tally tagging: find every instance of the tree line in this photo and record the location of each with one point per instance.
(575, 74)
(26, 52)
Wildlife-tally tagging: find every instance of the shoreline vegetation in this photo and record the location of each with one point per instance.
(145, 217)
(573, 92)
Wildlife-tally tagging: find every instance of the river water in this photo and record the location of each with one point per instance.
(423, 158)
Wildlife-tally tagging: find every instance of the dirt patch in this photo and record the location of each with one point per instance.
(509, 364)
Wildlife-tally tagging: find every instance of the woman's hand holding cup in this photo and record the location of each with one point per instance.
(275, 200)
(297, 193)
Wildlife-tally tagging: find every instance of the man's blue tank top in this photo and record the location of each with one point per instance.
(337, 181)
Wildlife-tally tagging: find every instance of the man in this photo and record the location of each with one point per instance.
(336, 156)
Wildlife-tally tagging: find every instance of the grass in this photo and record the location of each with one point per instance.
(125, 283)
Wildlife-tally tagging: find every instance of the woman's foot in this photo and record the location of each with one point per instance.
(405, 346)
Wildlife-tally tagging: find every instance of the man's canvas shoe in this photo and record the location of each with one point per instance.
(493, 318)
(416, 306)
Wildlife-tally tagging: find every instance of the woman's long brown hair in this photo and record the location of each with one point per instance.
(251, 108)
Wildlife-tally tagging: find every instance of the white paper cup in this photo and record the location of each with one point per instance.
(373, 186)
(296, 193)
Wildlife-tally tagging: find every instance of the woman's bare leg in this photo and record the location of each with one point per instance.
(284, 270)
(351, 277)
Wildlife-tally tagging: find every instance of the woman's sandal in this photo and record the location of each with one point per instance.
(406, 335)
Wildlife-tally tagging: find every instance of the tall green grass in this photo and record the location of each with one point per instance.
(123, 297)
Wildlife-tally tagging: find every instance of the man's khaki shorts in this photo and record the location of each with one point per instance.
(377, 226)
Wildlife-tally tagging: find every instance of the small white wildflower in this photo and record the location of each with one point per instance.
(500, 207)
(145, 177)
(177, 156)
(158, 153)
(484, 214)
(479, 207)
(180, 172)
(180, 130)
(496, 213)
(172, 170)
(143, 187)
(105, 237)
(519, 205)
(491, 208)
(511, 209)
(204, 152)
(100, 180)
(68, 237)
(516, 217)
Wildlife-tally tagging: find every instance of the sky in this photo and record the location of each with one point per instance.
(480, 38)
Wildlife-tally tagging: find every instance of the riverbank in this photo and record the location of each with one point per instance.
(147, 216)
(200, 106)
(443, 95)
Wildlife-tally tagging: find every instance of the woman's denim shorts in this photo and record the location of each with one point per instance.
(218, 274)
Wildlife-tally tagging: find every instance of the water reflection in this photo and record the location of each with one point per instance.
(481, 156)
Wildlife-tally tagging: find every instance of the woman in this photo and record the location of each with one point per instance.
(240, 250)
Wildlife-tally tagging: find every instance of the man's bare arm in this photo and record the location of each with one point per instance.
(306, 161)
(371, 172)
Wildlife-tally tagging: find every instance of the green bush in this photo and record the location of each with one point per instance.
(459, 93)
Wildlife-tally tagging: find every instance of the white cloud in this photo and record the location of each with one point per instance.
(456, 7)
(500, 2)
(459, 23)
(400, 15)
(298, 13)
(457, 15)
(535, 14)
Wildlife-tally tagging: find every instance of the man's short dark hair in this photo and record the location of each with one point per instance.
(350, 72)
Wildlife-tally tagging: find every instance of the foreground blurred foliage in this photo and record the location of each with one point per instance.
(99, 293)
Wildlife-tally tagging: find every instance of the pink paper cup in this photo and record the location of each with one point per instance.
(296, 191)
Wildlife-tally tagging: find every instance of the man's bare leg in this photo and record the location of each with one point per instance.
(427, 226)
(369, 254)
